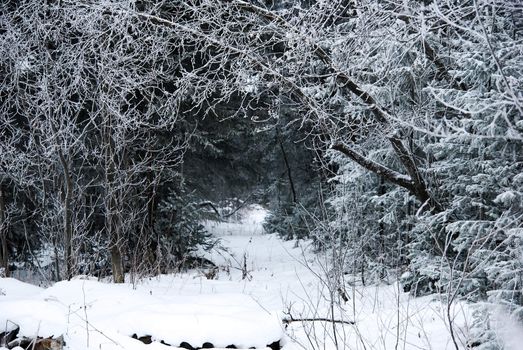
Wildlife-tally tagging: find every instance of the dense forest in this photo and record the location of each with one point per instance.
(389, 132)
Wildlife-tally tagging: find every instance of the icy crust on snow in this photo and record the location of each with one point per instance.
(118, 309)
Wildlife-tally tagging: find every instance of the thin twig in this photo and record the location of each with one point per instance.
(291, 319)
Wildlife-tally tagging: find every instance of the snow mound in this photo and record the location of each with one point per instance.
(14, 288)
(71, 308)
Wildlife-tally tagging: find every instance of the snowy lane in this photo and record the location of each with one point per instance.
(260, 280)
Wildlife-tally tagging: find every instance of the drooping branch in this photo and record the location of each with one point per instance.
(441, 67)
(387, 173)
(418, 186)
(211, 205)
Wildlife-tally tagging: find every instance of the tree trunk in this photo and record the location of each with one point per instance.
(152, 240)
(117, 264)
(289, 173)
(68, 225)
(111, 204)
(4, 252)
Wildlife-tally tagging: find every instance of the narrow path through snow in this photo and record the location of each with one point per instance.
(260, 279)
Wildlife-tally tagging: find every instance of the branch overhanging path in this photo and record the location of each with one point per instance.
(414, 182)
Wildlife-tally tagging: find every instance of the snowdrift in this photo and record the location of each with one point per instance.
(85, 311)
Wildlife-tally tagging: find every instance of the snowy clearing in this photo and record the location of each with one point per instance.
(261, 281)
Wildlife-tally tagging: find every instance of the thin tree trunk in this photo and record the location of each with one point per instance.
(68, 225)
(56, 259)
(289, 173)
(111, 205)
(4, 252)
(381, 235)
(153, 239)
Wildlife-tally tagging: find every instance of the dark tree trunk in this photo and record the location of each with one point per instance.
(289, 173)
(68, 224)
(112, 225)
(4, 251)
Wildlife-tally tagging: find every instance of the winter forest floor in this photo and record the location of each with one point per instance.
(261, 281)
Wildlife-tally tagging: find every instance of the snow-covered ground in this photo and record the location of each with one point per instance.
(260, 281)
